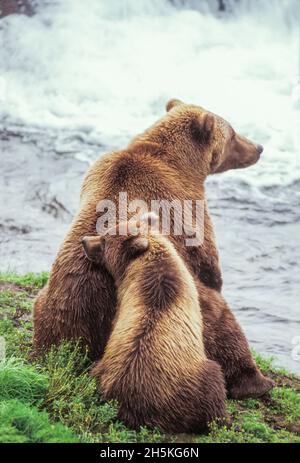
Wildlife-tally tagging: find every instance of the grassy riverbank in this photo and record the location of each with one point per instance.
(54, 399)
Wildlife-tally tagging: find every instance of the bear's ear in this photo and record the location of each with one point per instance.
(93, 247)
(137, 245)
(202, 128)
(172, 103)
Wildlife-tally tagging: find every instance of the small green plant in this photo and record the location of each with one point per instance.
(29, 280)
(21, 422)
(21, 381)
(73, 396)
(265, 364)
(287, 401)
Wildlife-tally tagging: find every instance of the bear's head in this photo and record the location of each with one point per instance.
(195, 139)
(120, 245)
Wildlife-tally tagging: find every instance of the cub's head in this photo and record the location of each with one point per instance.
(120, 246)
(198, 139)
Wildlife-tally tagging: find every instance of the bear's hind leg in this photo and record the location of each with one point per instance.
(211, 396)
(202, 397)
(229, 347)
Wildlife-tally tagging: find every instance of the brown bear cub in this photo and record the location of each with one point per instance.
(154, 363)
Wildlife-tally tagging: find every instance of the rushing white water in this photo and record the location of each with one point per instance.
(81, 74)
(104, 69)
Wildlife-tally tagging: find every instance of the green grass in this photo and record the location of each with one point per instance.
(287, 401)
(29, 280)
(21, 422)
(54, 398)
(21, 381)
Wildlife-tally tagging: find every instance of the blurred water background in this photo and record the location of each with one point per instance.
(78, 79)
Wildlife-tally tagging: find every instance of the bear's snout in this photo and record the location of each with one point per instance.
(260, 148)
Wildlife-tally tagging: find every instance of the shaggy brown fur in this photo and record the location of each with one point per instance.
(170, 160)
(154, 363)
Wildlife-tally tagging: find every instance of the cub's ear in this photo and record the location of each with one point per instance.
(93, 247)
(137, 245)
(172, 103)
(202, 128)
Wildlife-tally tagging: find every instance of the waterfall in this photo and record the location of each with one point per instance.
(103, 69)
(270, 11)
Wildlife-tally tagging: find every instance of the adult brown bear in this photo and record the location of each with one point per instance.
(170, 160)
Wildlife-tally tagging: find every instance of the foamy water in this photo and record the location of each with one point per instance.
(104, 71)
(83, 77)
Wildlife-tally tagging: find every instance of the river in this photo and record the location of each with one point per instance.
(78, 81)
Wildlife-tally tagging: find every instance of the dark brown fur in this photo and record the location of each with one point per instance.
(159, 285)
(167, 162)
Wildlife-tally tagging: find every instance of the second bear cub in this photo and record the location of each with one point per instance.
(154, 363)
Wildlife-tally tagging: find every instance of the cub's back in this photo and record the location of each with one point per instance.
(156, 340)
